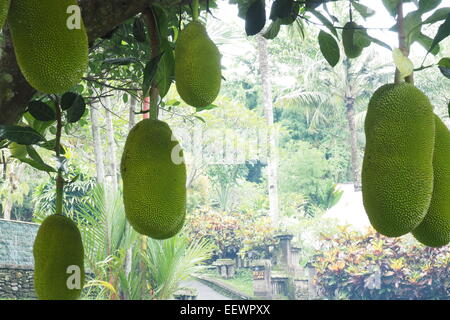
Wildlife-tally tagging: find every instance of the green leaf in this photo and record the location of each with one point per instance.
(272, 30)
(166, 69)
(325, 21)
(139, 30)
(50, 145)
(20, 135)
(329, 48)
(380, 43)
(200, 118)
(75, 106)
(149, 73)
(125, 97)
(428, 5)
(41, 111)
(255, 18)
(438, 15)
(403, 63)
(34, 155)
(443, 32)
(444, 67)
(391, 6)
(426, 42)
(281, 9)
(208, 107)
(364, 11)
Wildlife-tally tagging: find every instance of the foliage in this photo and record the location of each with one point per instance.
(232, 232)
(171, 261)
(76, 194)
(370, 266)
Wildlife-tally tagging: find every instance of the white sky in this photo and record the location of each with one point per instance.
(227, 13)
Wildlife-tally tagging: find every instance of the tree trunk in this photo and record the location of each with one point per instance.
(272, 161)
(111, 147)
(353, 139)
(132, 115)
(97, 146)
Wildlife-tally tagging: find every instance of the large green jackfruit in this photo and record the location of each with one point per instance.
(51, 56)
(4, 7)
(397, 172)
(197, 66)
(434, 231)
(58, 259)
(154, 180)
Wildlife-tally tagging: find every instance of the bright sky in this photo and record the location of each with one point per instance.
(227, 13)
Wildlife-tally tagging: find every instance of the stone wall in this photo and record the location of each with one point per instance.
(16, 283)
(16, 259)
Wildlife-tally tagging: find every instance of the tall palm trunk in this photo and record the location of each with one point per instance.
(99, 165)
(111, 147)
(350, 114)
(272, 161)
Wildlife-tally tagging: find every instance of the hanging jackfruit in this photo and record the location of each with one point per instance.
(397, 172)
(58, 259)
(197, 66)
(434, 231)
(51, 45)
(4, 7)
(154, 180)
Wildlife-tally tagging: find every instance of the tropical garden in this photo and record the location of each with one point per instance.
(268, 157)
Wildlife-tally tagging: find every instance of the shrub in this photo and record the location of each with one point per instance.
(231, 232)
(351, 265)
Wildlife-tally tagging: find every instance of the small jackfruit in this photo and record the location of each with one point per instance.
(352, 49)
(154, 180)
(4, 7)
(51, 48)
(197, 66)
(434, 231)
(58, 259)
(397, 172)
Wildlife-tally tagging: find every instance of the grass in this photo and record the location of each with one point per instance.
(242, 281)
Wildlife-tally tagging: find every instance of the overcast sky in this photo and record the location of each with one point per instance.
(227, 13)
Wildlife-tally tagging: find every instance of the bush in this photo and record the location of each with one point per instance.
(232, 232)
(351, 265)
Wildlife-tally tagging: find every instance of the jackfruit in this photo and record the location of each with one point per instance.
(397, 172)
(154, 180)
(4, 7)
(58, 259)
(197, 66)
(351, 48)
(51, 56)
(434, 231)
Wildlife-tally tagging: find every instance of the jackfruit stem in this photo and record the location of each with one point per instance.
(195, 9)
(402, 43)
(59, 177)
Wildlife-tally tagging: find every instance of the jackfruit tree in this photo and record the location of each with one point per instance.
(54, 72)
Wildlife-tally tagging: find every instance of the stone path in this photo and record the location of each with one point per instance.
(204, 292)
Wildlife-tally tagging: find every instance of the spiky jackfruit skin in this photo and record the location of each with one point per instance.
(397, 172)
(434, 231)
(57, 247)
(154, 184)
(4, 7)
(351, 49)
(197, 66)
(52, 57)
